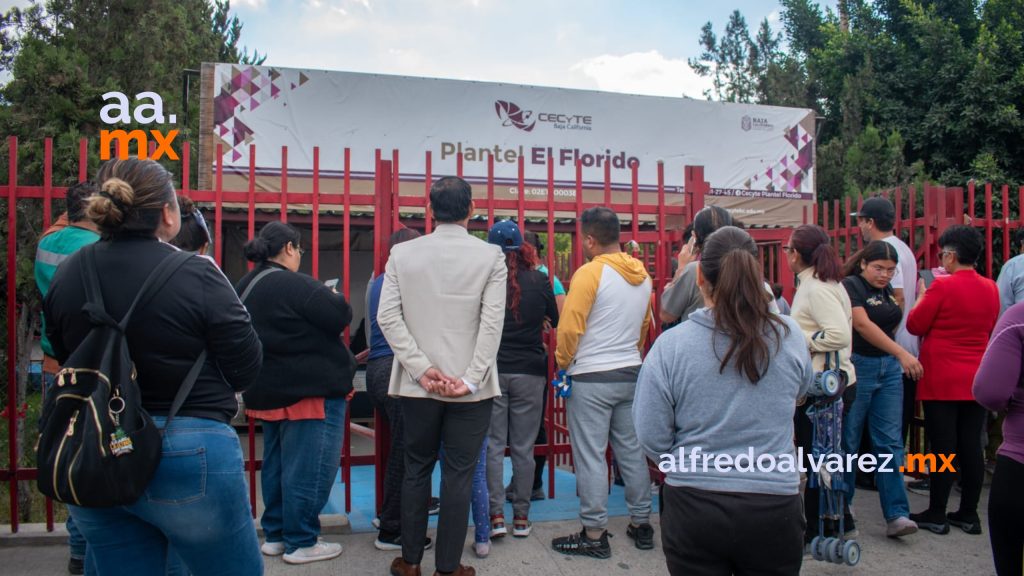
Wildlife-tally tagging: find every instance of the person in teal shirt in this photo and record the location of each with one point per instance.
(57, 244)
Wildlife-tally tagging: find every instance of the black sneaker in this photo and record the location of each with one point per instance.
(926, 521)
(581, 545)
(642, 535)
(394, 542)
(76, 566)
(970, 524)
(849, 526)
(435, 506)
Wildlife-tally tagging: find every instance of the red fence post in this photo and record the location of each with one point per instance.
(284, 183)
(316, 212)
(988, 229)
(12, 314)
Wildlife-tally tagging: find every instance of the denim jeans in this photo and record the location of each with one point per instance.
(300, 463)
(197, 502)
(480, 502)
(879, 406)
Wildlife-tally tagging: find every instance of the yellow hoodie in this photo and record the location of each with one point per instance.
(606, 317)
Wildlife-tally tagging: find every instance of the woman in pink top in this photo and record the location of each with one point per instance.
(999, 387)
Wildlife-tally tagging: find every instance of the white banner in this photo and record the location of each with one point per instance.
(757, 159)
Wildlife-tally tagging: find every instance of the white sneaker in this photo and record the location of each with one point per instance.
(482, 549)
(901, 526)
(376, 522)
(315, 553)
(272, 548)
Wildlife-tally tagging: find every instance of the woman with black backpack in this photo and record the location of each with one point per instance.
(197, 500)
(300, 394)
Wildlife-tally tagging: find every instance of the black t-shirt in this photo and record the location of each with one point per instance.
(522, 343)
(881, 307)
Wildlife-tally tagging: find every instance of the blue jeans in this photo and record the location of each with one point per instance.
(879, 405)
(481, 501)
(197, 501)
(300, 463)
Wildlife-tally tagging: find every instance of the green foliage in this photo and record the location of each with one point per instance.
(906, 89)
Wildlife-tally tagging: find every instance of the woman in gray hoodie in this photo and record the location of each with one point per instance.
(714, 407)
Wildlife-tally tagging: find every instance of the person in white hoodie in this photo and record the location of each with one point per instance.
(601, 332)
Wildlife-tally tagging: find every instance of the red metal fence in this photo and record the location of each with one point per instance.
(647, 226)
(920, 218)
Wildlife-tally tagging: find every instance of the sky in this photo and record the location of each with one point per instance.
(636, 47)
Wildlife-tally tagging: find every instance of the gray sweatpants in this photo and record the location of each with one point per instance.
(599, 413)
(515, 418)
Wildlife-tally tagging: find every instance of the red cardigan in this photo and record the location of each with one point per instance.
(955, 317)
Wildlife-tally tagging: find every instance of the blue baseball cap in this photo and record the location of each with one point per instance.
(505, 234)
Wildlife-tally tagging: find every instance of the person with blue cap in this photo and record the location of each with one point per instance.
(522, 376)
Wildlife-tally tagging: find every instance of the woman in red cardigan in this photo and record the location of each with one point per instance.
(955, 316)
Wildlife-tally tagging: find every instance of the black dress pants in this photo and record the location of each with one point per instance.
(378, 378)
(954, 427)
(461, 426)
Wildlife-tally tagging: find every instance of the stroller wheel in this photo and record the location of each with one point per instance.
(851, 552)
(816, 548)
(834, 552)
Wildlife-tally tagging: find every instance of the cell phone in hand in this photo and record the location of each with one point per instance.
(332, 283)
(928, 276)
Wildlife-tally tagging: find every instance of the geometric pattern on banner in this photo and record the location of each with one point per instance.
(242, 88)
(790, 172)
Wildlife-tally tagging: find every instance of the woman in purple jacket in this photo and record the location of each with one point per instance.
(999, 386)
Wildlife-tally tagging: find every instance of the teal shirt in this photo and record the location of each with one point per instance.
(53, 250)
(558, 288)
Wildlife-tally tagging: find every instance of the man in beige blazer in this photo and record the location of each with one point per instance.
(442, 309)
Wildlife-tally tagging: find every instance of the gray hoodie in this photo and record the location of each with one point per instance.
(682, 401)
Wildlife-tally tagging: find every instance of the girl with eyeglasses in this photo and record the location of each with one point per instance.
(880, 363)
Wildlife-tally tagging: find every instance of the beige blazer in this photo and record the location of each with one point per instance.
(443, 305)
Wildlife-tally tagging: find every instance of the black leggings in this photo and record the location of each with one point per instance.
(954, 427)
(1006, 517)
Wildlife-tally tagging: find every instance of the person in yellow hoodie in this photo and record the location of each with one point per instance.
(602, 330)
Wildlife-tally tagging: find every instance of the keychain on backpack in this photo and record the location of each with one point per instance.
(562, 384)
(120, 443)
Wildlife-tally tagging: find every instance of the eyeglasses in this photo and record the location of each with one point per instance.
(944, 253)
(299, 248)
(787, 249)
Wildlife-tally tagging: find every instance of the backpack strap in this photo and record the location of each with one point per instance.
(156, 280)
(193, 373)
(255, 281)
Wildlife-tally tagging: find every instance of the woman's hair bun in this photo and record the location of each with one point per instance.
(257, 250)
(109, 207)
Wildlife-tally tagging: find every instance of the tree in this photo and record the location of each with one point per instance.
(63, 55)
(728, 61)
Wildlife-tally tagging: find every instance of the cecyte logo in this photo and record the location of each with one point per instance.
(512, 115)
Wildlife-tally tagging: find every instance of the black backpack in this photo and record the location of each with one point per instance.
(97, 446)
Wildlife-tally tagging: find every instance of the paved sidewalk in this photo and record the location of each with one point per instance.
(923, 554)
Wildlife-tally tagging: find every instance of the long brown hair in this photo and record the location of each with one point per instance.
(525, 258)
(729, 265)
(811, 242)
